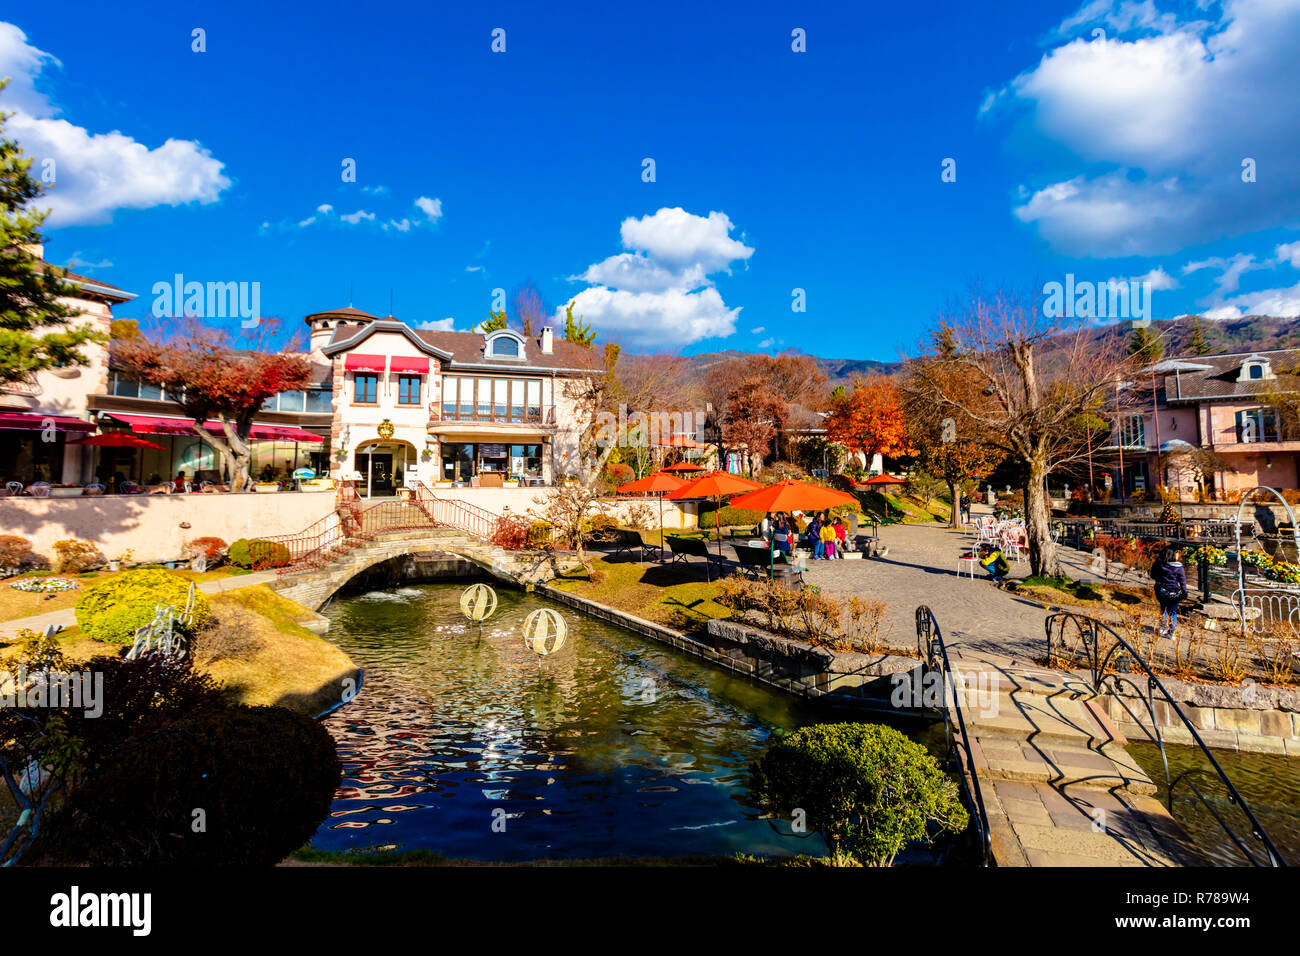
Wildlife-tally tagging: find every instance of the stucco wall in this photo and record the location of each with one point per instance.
(151, 526)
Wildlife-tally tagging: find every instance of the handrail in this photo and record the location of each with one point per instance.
(1111, 667)
(930, 637)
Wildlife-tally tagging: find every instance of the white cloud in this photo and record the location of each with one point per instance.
(352, 218)
(473, 268)
(758, 331)
(1165, 108)
(1160, 280)
(439, 325)
(1288, 252)
(96, 174)
(658, 294)
(1230, 270)
(432, 208)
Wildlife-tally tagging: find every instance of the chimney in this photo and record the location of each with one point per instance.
(548, 340)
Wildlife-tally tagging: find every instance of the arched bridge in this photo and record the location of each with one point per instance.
(323, 558)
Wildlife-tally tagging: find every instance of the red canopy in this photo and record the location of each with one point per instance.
(652, 484)
(685, 466)
(714, 485)
(34, 422)
(357, 362)
(155, 425)
(411, 366)
(792, 495)
(116, 440)
(884, 480)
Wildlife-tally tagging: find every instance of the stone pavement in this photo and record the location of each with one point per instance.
(67, 616)
(1059, 786)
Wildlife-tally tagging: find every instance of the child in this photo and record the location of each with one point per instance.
(841, 536)
(992, 561)
(828, 540)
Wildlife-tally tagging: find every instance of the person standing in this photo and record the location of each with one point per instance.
(965, 506)
(815, 538)
(1170, 588)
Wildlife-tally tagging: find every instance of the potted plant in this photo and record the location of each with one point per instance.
(115, 564)
(266, 487)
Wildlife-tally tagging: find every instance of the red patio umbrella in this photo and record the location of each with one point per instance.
(116, 440)
(684, 466)
(715, 485)
(660, 483)
(884, 480)
(792, 495)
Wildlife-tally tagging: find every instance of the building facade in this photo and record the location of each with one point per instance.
(464, 409)
(1206, 427)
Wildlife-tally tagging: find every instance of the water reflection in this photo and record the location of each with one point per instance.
(465, 744)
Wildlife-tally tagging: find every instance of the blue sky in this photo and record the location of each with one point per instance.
(1111, 155)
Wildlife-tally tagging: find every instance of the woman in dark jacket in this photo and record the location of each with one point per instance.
(1170, 587)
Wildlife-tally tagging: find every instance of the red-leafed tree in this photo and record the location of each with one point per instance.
(869, 419)
(754, 415)
(215, 375)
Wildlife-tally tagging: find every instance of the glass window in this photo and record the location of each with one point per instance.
(125, 387)
(467, 398)
(516, 400)
(292, 401)
(449, 397)
(320, 400)
(367, 388)
(499, 400)
(534, 400)
(505, 347)
(151, 391)
(1133, 432)
(1257, 371)
(1256, 425)
(485, 398)
(408, 390)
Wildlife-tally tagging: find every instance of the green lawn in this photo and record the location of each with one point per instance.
(677, 597)
(15, 604)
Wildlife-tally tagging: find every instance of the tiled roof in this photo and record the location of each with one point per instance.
(466, 348)
(95, 286)
(1219, 380)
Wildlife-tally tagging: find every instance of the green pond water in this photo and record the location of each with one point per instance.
(1269, 784)
(464, 744)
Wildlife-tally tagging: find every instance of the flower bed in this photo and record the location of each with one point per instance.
(44, 585)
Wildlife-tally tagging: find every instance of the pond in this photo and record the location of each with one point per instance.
(1269, 784)
(463, 744)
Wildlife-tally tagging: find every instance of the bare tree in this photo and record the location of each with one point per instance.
(530, 309)
(1044, 376)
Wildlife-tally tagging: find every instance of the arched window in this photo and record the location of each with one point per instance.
(505, 347)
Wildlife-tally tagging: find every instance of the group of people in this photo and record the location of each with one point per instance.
(826, 533)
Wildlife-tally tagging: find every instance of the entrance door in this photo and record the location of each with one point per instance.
(381, 475)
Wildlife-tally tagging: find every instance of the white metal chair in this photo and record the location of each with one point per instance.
(39, 489)
(966, 565)
(14, 487)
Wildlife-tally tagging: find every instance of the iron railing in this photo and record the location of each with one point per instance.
(1109, 667)
(532, 415)
(930, 643)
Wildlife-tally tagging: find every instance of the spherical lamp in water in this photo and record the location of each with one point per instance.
(544, 632)
(478, 602)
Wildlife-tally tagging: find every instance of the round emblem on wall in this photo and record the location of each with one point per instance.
(385, 429)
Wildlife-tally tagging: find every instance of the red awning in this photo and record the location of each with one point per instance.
(364, 363)
(282, 433)
(153, 425)
(416, 366)
(33, 422)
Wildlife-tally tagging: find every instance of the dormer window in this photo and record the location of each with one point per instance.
(1255, 368)
(504, 344)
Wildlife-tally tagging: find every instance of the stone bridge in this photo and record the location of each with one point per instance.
(313, 587)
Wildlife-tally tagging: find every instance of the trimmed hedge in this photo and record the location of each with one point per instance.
(728, 516)
(114, 610)
(259, 554)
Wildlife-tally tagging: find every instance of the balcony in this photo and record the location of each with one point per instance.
(534, 416)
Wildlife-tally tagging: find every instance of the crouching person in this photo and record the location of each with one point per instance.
(992, 560)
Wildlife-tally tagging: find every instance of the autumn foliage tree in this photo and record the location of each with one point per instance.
(945, 450)
(869, 418)
(754, 415)
(215, 375)
(1036, 378)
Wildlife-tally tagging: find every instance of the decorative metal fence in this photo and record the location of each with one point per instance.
(929, 640)
(1074, 640)
(161, 635)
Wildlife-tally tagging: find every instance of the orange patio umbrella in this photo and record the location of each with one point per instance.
(684, 466)
(715, 485)
(660, 483)
(792, 495)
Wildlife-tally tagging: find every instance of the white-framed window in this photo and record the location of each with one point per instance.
(1133, 431)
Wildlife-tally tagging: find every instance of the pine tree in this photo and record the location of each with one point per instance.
(36, 329)
(577, 331)
(1145, 345)
(494, 322)
(1197, 344)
